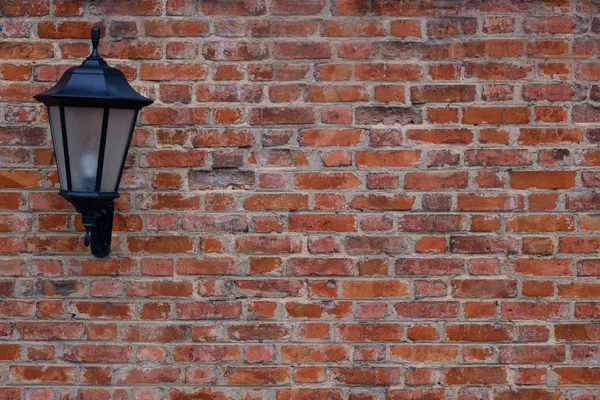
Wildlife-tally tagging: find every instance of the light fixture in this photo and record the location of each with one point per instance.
(92, 112)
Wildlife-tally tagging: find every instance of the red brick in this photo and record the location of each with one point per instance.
(26, 8)
(9, 352)
(373, 332)
(152, 333)
(236, 7)
(42, 374)
(551, 92)
(441, 136)
(98, 353)
(498, 71)
(442, 115)
(159, 289)
(166, 72)
(431, 223)
(350, 29)
(544, 267)
(68, 7)
(50, 331)
(533, 136)
(483, 244)
(334, 72)
(549, 25)
(406, 28)
(535, 310)
(388, 72)
(475, 375)
(302, 50)
(496, 115)
(444, 71)
(336, 94)
(543, 179)
(349, 7)
(435, 180)
(66, 29)
(320, 266)
(330, 137)
(159, 244)
(268, 244)
(379, 288)
(322, 222)
(130, 50)
(367, 376)
(481, 288)
(387, 158)
(171, 28)
(335, 180)
(425, 353)
(442, 93)
(282, 115)
(149, 375)
(175, 116)
(357, 50)
(375, 244)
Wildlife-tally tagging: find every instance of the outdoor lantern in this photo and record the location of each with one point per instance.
(92, 111)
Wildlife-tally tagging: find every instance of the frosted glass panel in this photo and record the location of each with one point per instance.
(59, 151)
(120, 126)
(84, 127)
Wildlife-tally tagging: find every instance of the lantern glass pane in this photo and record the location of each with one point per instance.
(59, 150)
(120, 127)
(84, 128)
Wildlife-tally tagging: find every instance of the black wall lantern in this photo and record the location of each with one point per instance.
(92, 111)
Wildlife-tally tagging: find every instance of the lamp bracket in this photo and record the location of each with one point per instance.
(99, 234)
(97, 211)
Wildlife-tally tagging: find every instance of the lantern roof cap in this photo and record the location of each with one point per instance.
(93, 83)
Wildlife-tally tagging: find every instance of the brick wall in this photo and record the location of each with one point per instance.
(329, 199)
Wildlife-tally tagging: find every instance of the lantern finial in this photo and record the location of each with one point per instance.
(95, 41)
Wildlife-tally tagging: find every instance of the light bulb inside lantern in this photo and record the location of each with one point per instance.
(89, 163)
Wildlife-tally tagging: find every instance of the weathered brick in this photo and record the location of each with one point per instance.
(310, 169)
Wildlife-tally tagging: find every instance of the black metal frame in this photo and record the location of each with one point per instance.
(100, 166)
(124, 160)
(65, 143)
(93, 84)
